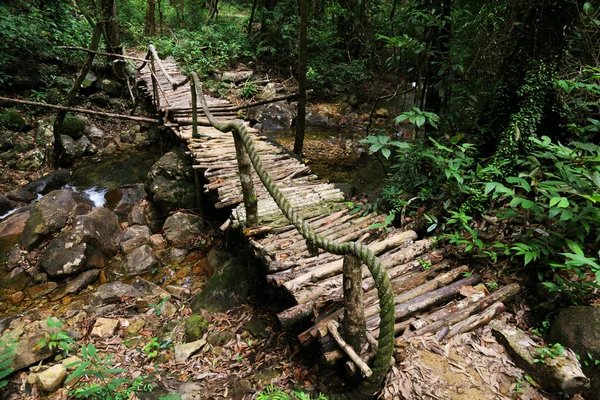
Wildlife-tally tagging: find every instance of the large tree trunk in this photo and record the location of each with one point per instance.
(112, 37)
(150, 20)
(439, 39)
(301, 120)
(352, 25)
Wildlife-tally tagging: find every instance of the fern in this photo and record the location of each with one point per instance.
(8, 348)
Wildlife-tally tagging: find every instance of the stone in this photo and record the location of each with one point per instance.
(182, 228)
(51, 379)
(71, 363)
(82, 146)
(110, 86)
(268, 92)
(16, 297)
(58, 259)
(6, 204)
(141, 139)
(94, 132)
(70, 151)
(171, 182)
(225, 290)
(50, 215)
(173, 256)
(31, 161)
(195, 327)
(89, 80)
(113, 292)
(21, 196)
(140, 261)
(235, 76)
(6, 142)
(12, 119)
(352, 100)
(105, 327)
(136, 216)
(135, 325)
(150, 291)
(73, 127)
(133, 237)
(44, 132)
(186, 350)
(126, 137)
(219, 338)
(122, 200)
(276, 116)
(97, 228)
(29, 352)
(154, 217)
(81, 282)
(178, 291)
(48, 183)
(578, 328)
(382, 113)
(257, 327)
(313, 119)
(38, 291)
(12, 227)
(216, 260)
(157, 241)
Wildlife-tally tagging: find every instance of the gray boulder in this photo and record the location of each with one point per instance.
(136, 216)
(274, 116)
(133, 237)
(51, 214)
(97, 229)
(171, 183)
(140, 261)
(122, 200)
(70, 150)
(579, 329)
(113, 292)
(50, 182)
(73, 127)
(62, 257)
(181, 228)
(32, 161)
(110, 86)
(6, 204)
(83, 146)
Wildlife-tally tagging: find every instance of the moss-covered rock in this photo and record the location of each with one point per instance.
(10, 118)
(73, 126)
(195, 327)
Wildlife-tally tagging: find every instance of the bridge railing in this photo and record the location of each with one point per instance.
(247, 157)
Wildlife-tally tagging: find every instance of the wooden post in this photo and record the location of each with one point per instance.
(198, 193)
(194, 108)
(154, 84)
(354, 314)
(245, 168)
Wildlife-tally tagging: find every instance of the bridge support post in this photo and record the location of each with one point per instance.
(245, 168)
(354, 314)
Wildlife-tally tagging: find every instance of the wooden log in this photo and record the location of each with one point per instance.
(354, 313)
(502, 294)
(446, 310)
(332, 327)
(559, 374)
(474, 321)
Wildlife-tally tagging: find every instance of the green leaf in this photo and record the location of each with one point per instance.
(420, 121)
(386, 152)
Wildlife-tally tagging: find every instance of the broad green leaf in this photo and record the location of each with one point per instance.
(420, 120)
(386, 152)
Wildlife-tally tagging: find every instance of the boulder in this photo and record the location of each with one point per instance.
(51, 214)
(89, 80)
(579, 329)
(70, 151)
(133, 237)
(268, 92)
(73, 127)
(186, 350)
(29, 352)
(12, 119)
(195, 326)
(32, 161)
(122, 200)
(274, 116)
(110, 86)
(12, 227)
(6, 204)
(50, 182)
(140, 261)
(82, 146)
(225, 290)
(234, 76)
(136, 216)
(171, 182)
(50, 380)
(59, 260)
(113, 292)
(77, 284)
(97, 228)
(182, 228)
(94, 132)
(21, 196)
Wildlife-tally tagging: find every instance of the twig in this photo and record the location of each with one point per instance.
(332, 328)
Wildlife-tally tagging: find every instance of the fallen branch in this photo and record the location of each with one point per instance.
(103, 54)
(79, 110)
(332, 328)
(247, 105)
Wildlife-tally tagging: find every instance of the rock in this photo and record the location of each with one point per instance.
(216, 260)
(157, 241)
(89, 80)
(382, 113)
(313, 119)
(173, 256)
(177, 291)
(225, 290)
(70, 151)
(51, 379)
(195, 326)
(274, 116)
(135, 326)
(140, 261)
(23, 146)
(257, 327)
(6, 204)
(82, 146)
(73, 127)
(150, 291)
(579, 329)
(113, 292)
(268, 92)
(12, 119)
(21, 196)
(31, 161)
(182, 228)
(105, 327)
(110, 86)
(50, 215)
(29, 352)
(97, 228)
(133, 237)
(44, 132)
(94, 132)
(12, 227)
(141, 139)
(235, 76)
(352, 100)
(219, 338)
(58, 259)
(48, 183)
(171, 182)
(186, 350)
(136, 216)
(71, 363)
(38, 291)
(16, 297)
(79, 283)
(126, 137)
(122, 200)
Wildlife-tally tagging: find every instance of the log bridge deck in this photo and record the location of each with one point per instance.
(426, 286)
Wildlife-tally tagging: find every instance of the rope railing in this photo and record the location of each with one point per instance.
(247, 155)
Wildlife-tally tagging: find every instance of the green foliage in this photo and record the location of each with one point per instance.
(418, 117)
(272, 392)
(56, 339)
(550, 351)
(8, 349)
(151, 348)
(248, 90)
(588, 360)
(157, 308)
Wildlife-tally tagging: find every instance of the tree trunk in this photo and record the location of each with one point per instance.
(302, 60)
(150, 20)
(354, 324)
(110, 27)
(439, 40)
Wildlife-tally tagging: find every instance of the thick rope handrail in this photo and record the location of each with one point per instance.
(385, 348)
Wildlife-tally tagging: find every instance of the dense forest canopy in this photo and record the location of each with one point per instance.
(505, 115)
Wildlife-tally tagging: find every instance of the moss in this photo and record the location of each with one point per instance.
(11, 119)
(73, 127)
(195, 327)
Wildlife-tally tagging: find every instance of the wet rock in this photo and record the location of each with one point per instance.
(182, 228)
(113, 292)
(225, 290)
(6, 204)
(110, 86)
(171, 182)
(186, 350)
(73, 127)
(12, 119)
(234, 76)
(79, 283)
(97, 228)
(32, 161)
(140, 261)
(274, 116)
(136, 216)
(21, 196)
(48, 183)
(105, 327)
(89, 80)
(133, 237)
(38, 291)
(51, 379)
(195, 327)
(50, 215)
(578, 328)
(122, 200)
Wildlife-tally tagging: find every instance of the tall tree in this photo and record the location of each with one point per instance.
(150, 20)
(109, 20)
(302, 61)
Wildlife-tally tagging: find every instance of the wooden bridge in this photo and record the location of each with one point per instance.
(429, 294)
